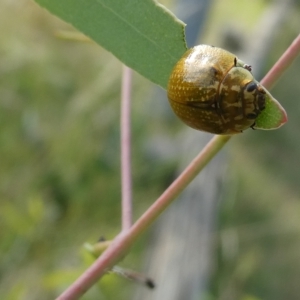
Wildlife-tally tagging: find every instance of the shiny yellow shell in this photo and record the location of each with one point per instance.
(211, 90)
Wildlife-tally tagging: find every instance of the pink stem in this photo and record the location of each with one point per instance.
(171, 193)
(125, 149)
(122, 243)
(282, 64)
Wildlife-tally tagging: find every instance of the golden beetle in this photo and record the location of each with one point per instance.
(211, 90)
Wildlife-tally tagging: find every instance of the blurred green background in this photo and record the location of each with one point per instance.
(60, 179)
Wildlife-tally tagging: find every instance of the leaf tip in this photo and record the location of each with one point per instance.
(273, 116)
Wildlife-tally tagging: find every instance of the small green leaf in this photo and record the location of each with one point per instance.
(144, 35)
(273, 116)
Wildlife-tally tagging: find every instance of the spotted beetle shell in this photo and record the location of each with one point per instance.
(211, 90)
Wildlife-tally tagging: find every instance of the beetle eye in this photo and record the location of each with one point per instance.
(251, 87)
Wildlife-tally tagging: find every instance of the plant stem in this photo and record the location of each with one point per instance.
(122, 243)
(282, 64)
(171, 193)
(125, 149)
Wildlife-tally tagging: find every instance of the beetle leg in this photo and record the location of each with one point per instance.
(247, 67)
(252, 126)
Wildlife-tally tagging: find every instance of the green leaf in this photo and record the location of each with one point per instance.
(273, 116)
(144, 35)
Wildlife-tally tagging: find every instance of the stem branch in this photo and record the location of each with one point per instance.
(282, 64)
(125, 149)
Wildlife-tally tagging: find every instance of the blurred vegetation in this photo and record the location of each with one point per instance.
(59, 175)
(59, 144)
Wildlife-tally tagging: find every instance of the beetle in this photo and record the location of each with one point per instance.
(211, 90)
